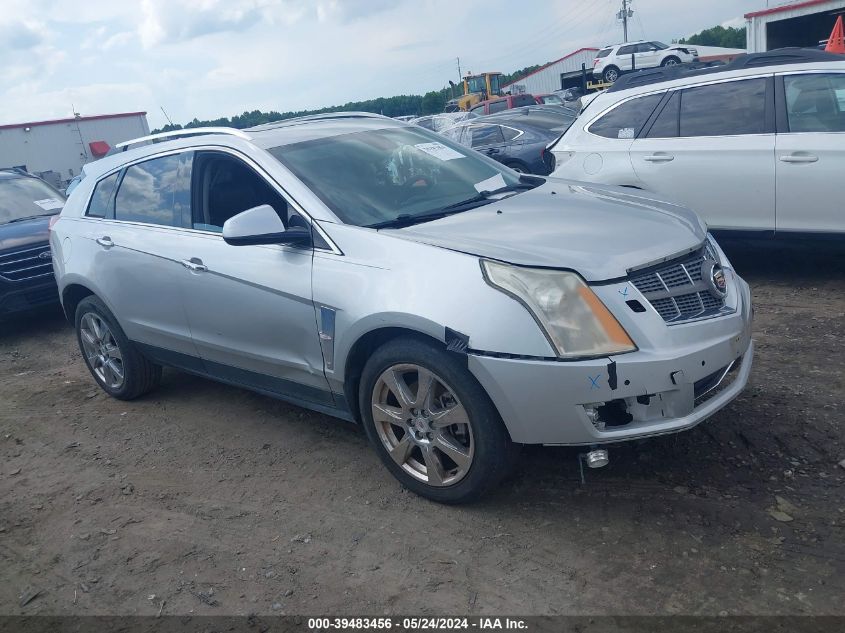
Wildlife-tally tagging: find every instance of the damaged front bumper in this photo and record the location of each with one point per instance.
(657, 390)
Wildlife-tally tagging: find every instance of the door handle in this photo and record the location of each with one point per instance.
(658, 158)
(799, 158)
(105, 241)
(194, 264)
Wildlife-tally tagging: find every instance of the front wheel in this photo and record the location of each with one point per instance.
(432, 424)
(670, 61)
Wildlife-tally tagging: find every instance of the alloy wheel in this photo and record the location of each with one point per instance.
(423, 425)
(101, 350)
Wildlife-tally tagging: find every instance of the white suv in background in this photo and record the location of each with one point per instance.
(755, 145)
(612, 61)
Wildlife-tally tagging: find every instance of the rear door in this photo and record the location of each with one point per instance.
(486, 138)
(711, 148)
(138, 242)
(624, 56)
(250, 307)
(810, 161)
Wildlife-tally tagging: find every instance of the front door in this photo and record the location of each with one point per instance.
(810, 160)
(250, 308)
(711, 148)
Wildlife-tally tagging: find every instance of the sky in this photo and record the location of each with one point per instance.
(213, 58)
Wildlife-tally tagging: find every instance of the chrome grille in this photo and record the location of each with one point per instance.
(676, 289)
(26, 264)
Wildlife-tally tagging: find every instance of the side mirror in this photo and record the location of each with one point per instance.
(262, 225)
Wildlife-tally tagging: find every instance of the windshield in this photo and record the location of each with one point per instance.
(476, 84)
(26, 197)
(376, 176)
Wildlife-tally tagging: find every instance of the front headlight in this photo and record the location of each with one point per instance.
(573, 318)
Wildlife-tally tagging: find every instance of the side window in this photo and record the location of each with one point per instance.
(604, 52)
(509, 133)
(627, 50)
(226, 186)
(666, 124)
(157, 191)
(726, 109)
(102, 200)
(498, 106)
(815, 102)
(626, 120)
(523, 100)
(482, 135)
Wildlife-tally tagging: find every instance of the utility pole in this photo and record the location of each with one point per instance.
(460, 76)
(625, 13)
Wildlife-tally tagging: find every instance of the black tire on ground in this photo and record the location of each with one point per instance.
(495, 455)
(139, 374)
(610, 74)
(670, 61)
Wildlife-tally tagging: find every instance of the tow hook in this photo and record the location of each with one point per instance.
(594, 458)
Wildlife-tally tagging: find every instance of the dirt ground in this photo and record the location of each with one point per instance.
(207, 499)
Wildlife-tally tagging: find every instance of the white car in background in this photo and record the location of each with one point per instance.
(754, 145)
(612, 61)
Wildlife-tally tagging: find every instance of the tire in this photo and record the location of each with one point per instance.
(670, 61)
(477, 439)
(610, 74)
(114, 362)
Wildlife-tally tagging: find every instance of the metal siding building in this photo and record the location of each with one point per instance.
(65, 145)
(550, 77)
(802, 23)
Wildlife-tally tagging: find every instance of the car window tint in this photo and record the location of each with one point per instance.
(498, 106)
(229, 187)
(604, 52)
(481, 135)
(102, 202)
(626, 120)
(156, 191)
(509, 133)
(626, 50)
(523, 100)
(725, 109)
(666, 124)
(815, 102)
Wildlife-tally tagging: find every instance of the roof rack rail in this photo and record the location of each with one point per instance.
(315, 117)
(192, 131)
(777, 57)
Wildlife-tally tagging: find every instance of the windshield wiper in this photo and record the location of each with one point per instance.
(481, 198)
(30, 217)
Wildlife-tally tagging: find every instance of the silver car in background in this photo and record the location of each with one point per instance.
(377, 272)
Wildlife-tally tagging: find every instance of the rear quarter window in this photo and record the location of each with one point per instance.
(604, 52)
(627, 119)
(102, 200)
(498, 106)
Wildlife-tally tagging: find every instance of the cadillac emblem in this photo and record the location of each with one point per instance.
(716, 281)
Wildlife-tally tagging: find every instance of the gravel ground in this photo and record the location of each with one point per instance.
(207, 499)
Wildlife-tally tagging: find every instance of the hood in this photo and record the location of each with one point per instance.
(600, 232)
(18, 235)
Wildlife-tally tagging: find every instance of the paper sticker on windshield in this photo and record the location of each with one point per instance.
(625, 132)
(439, 151)
(491, 184)
(49, 203)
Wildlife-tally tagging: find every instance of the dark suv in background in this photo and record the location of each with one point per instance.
(26, 268)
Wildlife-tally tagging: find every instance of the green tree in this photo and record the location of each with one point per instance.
(729, 37)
